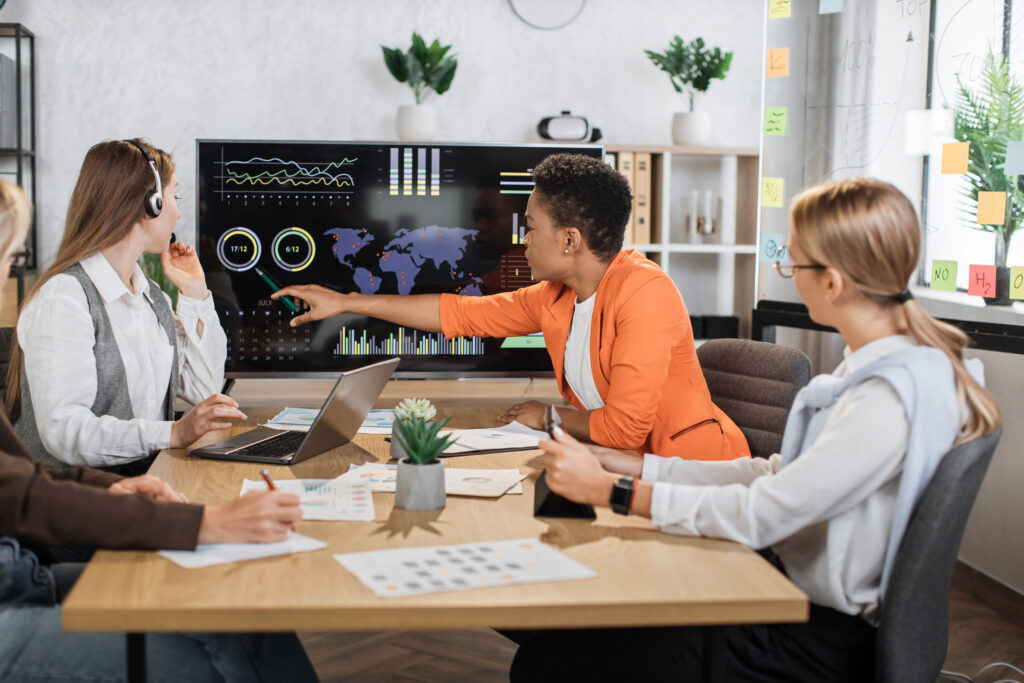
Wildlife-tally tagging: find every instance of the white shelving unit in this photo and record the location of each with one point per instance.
(716, 278)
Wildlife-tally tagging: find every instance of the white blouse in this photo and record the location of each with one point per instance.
(55, 332)
(576, 366)
(828, 514)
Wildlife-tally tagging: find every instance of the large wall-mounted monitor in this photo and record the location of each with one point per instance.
(370, 217)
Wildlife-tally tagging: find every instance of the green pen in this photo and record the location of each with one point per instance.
(274, 286)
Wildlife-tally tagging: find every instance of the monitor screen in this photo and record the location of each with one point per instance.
(369, 217)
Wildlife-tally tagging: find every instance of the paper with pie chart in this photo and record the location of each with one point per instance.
(325, 499)
(458, 481)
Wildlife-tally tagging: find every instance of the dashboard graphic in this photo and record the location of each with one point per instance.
(373, 218)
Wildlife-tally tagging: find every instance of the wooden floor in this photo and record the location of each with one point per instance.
(978, 635)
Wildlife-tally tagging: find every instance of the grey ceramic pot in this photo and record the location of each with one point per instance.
(420, 487)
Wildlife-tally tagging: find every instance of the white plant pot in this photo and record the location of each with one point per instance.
(417, 122)
(691, 128)
(419, 487)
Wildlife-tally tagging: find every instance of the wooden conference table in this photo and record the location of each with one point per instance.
(644, 577)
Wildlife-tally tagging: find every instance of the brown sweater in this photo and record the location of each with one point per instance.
(71, 507)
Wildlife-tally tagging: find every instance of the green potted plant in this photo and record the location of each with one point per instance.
(425, 68)
(691, 68)
(988, 118)
(419, 484)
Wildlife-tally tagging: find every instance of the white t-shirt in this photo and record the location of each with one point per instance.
(576, 365)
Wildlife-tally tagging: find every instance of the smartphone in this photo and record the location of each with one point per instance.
(551, 420)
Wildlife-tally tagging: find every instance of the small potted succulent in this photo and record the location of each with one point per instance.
(691, 68)
(419, 484)
(425, 68)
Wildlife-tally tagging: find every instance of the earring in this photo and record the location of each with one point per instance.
(566, 251)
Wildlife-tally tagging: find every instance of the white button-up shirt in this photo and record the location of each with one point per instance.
(55, 331)
(828, 514)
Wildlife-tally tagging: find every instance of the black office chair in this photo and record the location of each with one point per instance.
(754, 383)
(914, 630)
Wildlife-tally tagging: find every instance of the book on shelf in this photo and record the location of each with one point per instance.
(625, 167)
(642, 198)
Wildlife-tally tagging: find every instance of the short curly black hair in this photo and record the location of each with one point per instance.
(585, 192)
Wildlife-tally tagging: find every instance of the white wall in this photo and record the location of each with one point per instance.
(176, 71)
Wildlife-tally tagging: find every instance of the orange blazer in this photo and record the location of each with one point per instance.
(641, 351)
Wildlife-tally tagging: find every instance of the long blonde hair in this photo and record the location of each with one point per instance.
(868, 230)
(106, 203)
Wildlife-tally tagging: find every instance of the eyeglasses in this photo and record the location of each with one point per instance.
(20, 258)
(788, 270)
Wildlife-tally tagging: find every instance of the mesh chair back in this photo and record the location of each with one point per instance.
(914, 629)
(754, 383)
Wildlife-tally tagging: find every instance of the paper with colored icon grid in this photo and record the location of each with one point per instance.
(432, 569)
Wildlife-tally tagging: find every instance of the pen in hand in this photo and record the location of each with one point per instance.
(265, 473)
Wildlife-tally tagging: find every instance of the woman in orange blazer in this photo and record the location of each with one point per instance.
(627, 363)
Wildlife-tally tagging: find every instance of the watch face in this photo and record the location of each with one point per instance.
(622, 496)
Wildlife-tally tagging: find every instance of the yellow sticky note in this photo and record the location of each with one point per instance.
(954, 157)
(1017, 282)
(778, 62)
(779, 9)
(771, 192)
(991, 208)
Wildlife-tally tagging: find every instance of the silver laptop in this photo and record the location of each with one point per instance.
(338, 422)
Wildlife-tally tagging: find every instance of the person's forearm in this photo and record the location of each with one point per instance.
(421, 311)
(576, 422)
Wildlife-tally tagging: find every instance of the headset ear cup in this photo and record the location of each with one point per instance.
(154, 203)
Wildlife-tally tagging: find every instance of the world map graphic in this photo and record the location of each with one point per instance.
(404, 256)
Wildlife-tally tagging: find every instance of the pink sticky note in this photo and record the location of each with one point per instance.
(981, 281)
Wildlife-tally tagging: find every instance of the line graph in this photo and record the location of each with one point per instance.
(275, 174)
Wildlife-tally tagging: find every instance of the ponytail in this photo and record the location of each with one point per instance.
(982, 409)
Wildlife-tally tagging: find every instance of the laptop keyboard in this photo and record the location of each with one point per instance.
(276, 447)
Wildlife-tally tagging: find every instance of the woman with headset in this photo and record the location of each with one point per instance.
(101, 357)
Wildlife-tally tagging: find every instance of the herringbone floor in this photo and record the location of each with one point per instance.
(978, 635)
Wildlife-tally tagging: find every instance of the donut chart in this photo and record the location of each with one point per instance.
(238, 249)
(293, 249)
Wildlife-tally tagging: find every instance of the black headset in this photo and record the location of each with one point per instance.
(154, 201)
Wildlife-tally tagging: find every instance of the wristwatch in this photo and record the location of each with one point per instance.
(622, 496)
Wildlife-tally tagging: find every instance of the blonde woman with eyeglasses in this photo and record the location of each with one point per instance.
(834, 504)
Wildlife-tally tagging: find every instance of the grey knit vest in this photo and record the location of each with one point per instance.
(112, 397)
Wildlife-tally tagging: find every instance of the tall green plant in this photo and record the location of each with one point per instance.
(423, 67)
(690, 67)
(988, 118)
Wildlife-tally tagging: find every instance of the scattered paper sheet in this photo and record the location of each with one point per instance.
(325, 499)
(294, 419)
(458, 481)
(379, 421)
(472, 440)
(413, 571)
(222, 553)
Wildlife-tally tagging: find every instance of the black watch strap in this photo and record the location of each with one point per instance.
(621, 498)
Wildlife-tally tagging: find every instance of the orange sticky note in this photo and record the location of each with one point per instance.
(778, 62)
(954, 157)
(981, 281)
(991, 208)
